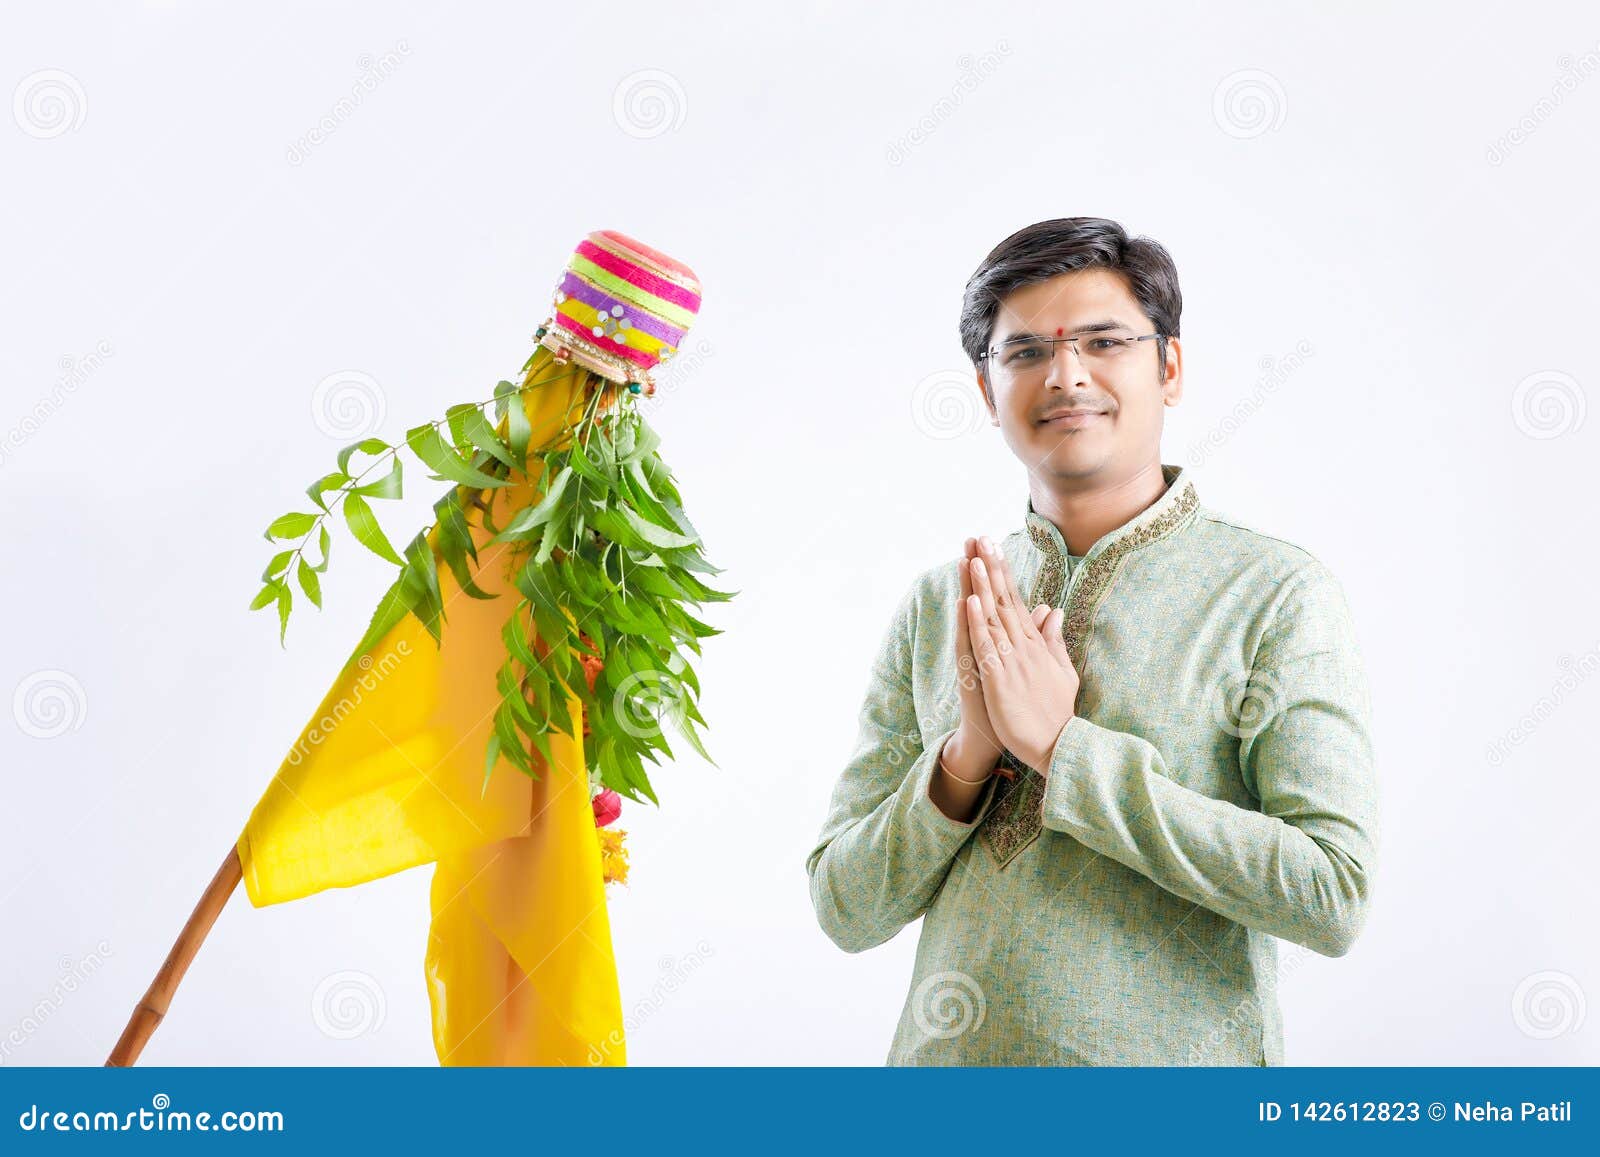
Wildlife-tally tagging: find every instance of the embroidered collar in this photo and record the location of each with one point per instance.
(1158, 520)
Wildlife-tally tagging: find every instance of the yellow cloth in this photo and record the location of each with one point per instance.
(389, 775)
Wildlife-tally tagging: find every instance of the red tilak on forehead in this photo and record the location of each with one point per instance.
(1058, 331)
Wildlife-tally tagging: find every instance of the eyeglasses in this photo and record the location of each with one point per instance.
(1029, 357)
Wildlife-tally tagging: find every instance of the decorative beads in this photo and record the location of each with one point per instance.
(612, 324)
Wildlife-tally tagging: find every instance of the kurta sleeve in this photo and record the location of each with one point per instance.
(885, 846)
(1300, 867)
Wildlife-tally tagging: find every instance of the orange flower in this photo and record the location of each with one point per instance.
(613, 856)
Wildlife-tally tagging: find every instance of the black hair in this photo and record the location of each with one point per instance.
(1065, 245)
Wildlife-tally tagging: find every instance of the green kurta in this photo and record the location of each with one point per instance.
(1214, 791)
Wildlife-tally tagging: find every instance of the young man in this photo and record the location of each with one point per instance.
(1107, 809)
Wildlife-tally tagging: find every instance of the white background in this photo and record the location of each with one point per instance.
(1406, 192)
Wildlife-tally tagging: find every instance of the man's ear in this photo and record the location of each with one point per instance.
(988, 399)
(1172, 385)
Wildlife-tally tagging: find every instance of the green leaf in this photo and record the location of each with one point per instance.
(651, 533)
(638, 494)
(422, 584)
(427, 445)
(325, 543)
(515, 636)
(584, 466)
(518, 431)
(364, 525)
(609, 523)
(645, 442)
(386, 487)
(456, 544)
(291, 525)
(505, 729)
(279, 564)
(491, 756)
(366, 446)
(541, 740)
(686, 729)
(309, 583)
(284, 598)
(538, 515)
(697, 591)
(471, 422)
(391, 608)
(327, 482)
(265, 596)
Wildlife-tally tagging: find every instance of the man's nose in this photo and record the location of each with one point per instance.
(1066, 365)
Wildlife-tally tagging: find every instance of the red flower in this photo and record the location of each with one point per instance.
(607, 807)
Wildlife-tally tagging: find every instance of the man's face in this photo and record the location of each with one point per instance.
(1124, 394)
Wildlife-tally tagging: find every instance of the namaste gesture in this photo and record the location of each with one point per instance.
(1018, 685)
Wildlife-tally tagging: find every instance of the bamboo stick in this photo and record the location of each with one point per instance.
(147, 1015)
